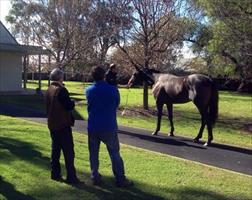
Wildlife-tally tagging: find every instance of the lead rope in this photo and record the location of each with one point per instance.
(126, 104)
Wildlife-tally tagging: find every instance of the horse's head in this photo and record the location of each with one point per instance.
(142, 75)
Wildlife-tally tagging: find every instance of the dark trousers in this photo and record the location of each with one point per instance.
(112, 143)
(62, 140)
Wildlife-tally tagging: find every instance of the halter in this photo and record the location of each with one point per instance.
(146, 73)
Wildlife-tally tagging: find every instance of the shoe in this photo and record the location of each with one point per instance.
(125, 183)
(74, 181)
(59, 178)
(97, 180)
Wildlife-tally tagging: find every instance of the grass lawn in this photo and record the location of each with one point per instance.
(24, 166)
(235, 113)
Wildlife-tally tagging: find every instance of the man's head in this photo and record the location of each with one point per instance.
(98, 73)
(57, 75)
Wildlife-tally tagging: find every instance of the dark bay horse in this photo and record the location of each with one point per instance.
(170, 89)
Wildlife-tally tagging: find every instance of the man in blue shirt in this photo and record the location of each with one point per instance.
(103, 100)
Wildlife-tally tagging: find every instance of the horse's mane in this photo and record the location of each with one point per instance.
(151, 70)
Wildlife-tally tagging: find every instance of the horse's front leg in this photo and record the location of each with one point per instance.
(170, 116)
(159, 116)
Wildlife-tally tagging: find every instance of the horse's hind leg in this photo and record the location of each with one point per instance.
(160, 112)
(170, 116)
(210, 133)
(203, 124)
(203, 114)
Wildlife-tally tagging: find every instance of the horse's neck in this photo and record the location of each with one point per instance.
(155, 76)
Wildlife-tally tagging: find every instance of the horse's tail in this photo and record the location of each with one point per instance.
(213, 105)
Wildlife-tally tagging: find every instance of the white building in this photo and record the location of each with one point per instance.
(10, 61)
(13, 57)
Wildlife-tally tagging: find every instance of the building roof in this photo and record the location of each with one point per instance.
(5, 36)
(9, 43)
(11, 48)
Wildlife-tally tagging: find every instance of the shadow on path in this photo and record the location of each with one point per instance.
(21, 111)
(180, 141)
(162, 140)
(225, 147)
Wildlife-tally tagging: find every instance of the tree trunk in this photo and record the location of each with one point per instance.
(145, 96)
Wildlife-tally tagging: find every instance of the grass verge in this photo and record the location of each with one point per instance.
(24, 166)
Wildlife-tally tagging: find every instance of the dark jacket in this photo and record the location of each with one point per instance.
(58, 106)
(110, 77)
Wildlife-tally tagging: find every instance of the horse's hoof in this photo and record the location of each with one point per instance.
(207, 143)
(171, 135)
(154, 133)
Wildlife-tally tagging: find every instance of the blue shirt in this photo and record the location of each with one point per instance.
(103, 100)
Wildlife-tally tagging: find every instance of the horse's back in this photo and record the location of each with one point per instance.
(195, 79)
(170, 88)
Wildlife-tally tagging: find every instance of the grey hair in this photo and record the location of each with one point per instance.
(56, 74)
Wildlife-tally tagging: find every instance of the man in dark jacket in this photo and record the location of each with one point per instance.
(103, 100)
(60, 119)
(111, 74)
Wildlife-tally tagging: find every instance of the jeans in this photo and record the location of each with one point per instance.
(112, 143)
(62, 140)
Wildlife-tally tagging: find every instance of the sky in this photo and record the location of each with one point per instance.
(5, 6)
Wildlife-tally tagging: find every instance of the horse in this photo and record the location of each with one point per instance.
(170, 89)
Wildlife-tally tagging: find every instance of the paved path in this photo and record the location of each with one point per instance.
(219, 155)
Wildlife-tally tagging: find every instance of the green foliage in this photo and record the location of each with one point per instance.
(227, 34)
(222, 67)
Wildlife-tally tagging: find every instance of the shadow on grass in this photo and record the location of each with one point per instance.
(196, 194)
(107, 191)
(142, 191)
(10, 193)
(21, 150)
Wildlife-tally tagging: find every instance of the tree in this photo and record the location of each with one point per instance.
(156, 29)
(227, 37)
(57, 25)
(107, 18)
